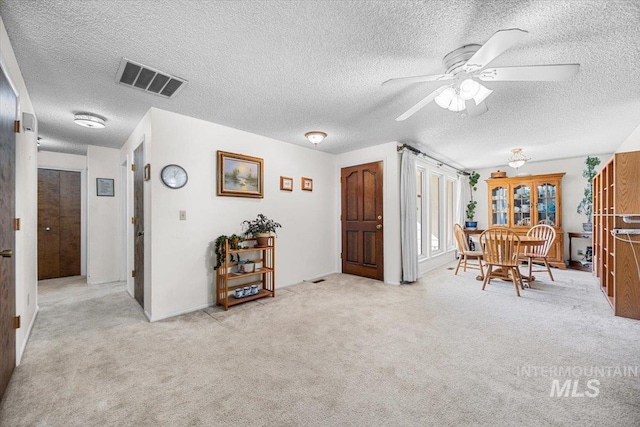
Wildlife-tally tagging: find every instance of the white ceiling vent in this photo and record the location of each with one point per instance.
(148, 79)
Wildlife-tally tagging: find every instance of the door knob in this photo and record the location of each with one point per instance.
(379, 226)
(7, 253)
(47, 228)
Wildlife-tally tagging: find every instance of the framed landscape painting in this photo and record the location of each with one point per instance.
(240, 175)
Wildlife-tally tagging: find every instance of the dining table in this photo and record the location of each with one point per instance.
(526, 243)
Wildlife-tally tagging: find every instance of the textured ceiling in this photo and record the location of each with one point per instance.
(282, 68)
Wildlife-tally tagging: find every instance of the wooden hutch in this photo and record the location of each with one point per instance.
(522, 202)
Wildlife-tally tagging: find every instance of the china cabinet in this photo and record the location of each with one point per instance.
(522, 202)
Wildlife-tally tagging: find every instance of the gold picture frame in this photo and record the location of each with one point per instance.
(306, 184)
(240, 175)
(286, 183)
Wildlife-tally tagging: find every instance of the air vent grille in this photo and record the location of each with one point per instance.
(148, 79)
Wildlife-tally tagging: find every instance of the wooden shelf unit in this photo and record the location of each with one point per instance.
(614, 258)
(264, 277)
(522, 202)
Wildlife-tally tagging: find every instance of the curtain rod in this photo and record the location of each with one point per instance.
(439, 162)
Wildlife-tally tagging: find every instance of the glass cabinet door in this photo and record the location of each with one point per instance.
(522, 206)
(499, 206)
(546, 204)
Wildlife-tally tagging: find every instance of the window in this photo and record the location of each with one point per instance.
(419, 207)
(437, 191)
(435, 213)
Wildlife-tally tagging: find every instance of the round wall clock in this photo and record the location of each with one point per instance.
(174, 176)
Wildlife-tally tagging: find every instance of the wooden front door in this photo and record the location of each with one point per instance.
(362, 244)
(138, 227)
(58, 224)
(8, 107)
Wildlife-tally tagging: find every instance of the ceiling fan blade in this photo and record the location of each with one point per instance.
(418, 79)
(411, 111)
(475, 110)
(498, 43)
(530, 73)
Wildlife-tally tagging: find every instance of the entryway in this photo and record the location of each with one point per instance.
(362, 222)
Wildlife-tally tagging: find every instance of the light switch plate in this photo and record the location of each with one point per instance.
(183, 215)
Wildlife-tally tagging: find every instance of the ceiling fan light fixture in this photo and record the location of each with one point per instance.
(457, 104)
(469, 89)
(517, 159)
(445, 99)
(89, 121)
(482, 94)
(315, 137)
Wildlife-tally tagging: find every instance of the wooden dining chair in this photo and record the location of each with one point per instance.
(540, 252)
(466, 254)
(500, 247)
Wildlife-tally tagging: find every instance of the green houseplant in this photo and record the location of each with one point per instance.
(219, 249)
(586, 204)
(260, 228)
(474, 177)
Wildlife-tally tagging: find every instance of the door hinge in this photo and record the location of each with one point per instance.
(16, 322)
(340, 217)
(133, 167)
(340, 255)
(16, 224)
(16, 126)
(133, 220)
(133, 273)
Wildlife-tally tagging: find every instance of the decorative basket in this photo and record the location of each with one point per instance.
(498, 174)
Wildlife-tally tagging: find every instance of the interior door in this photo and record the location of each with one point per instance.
(138, 227)
(8, 108)
(362, 234)
(58, 224)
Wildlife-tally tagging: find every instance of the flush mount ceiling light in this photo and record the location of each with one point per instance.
(517, 159)
(315, 137)
(89, 121)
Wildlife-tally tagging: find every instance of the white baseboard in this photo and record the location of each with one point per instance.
(177, 313)
(26, 337)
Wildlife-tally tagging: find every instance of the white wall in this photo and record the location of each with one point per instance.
(632, 143)
(572, 189)
(180, 252)
(388, 154)
(26, 191)
(74, 163)
(104, 219)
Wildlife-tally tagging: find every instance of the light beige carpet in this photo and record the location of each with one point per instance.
(344, 352)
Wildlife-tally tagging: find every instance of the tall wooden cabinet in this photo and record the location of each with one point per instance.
(522, 202)
(616, 219)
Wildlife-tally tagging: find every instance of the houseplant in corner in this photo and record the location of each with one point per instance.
(260, 228)
(586, 204)
(471, 206)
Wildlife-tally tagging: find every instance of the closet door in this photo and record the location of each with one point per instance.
(58, 224)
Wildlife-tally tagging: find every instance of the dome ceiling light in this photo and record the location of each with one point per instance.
(315, 137)
(89, 121)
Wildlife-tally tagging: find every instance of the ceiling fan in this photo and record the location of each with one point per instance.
(466, 65)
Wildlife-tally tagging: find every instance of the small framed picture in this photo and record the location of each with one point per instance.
(105, 187)
(307, 184)
(286, 183)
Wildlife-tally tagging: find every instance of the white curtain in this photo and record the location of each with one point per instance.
(459, 200)
(408, 218)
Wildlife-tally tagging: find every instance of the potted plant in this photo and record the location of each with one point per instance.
(471, 206)
(219, 250)
(260, 228)
(234, 241)
(586, 204)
